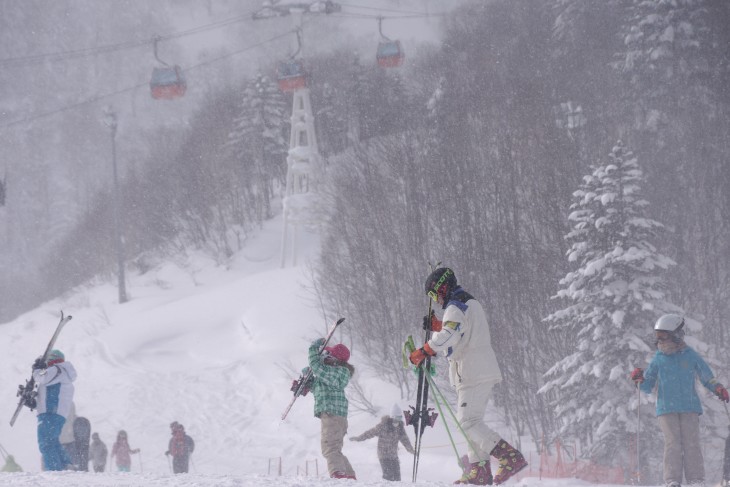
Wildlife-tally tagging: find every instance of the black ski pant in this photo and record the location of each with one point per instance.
(391, 468)
(180, 464)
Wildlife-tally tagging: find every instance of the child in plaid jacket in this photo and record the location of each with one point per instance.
(332, 372)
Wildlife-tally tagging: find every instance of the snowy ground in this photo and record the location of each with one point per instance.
(73, 479)
(212, 348)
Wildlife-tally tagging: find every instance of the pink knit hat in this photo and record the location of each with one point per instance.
(340, 352)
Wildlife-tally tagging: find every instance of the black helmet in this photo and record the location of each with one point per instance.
(441, 282)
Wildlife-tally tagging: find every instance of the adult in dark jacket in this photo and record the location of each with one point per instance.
(181, 446)
(390, 431)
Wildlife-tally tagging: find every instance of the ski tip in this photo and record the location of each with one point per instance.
(340, 320)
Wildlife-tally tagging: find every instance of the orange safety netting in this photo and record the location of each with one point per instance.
(555, 466)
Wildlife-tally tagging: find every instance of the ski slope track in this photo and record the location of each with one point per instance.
(214, 348)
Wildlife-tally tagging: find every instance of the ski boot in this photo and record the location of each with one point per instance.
(510, 459)
(478, 473)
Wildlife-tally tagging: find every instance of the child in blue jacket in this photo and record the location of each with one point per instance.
(673, 371)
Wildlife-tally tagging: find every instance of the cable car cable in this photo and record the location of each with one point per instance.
(90, 51)
(425, 14)
(132, 88)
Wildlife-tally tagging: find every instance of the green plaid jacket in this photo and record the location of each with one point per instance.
(329, 385)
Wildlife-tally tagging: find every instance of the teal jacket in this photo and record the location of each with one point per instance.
(675, 375)
(329, 385)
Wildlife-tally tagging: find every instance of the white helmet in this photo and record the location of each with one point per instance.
(672, 323)
(669, 322)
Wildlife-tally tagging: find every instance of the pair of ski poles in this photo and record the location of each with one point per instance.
(439, 399)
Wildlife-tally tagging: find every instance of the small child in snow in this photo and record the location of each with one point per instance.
(390, 431)
(121, 450)
(98, 453)
(331, 375)
(673, 371)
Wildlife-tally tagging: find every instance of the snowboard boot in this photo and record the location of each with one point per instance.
(510, 459)
(478, 473)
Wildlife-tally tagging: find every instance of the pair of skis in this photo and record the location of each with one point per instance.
(300, 387)
(420, 415)
(27, 392)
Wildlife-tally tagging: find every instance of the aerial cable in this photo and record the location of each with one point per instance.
(348, 15)
(22, 61)
(91, 51)
(132, 88)
(426, 14)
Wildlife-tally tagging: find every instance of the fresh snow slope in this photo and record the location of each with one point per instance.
(215, 349)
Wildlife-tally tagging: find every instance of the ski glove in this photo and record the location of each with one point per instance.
(721, 393)
(39, 364)
(418, 356)
(431, 323)
(638, 375)
(318, 342)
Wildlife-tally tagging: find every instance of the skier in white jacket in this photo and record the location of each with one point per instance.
(463, 337)
(55, 396)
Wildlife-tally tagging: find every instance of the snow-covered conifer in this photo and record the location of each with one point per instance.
(257, 140)
(613, 296)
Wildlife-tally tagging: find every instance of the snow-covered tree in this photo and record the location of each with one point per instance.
(665, 57)
(614, 295)
(257, 140)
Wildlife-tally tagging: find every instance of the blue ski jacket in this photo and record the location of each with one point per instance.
(674, 376)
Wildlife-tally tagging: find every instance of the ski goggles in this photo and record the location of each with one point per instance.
(433, 295)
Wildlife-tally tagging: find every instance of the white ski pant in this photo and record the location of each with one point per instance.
(682, 447)
(471, 406)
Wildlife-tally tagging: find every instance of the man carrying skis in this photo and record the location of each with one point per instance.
(331, 375)
(55, 395)
(463, 337)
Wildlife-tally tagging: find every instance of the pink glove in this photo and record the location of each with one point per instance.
(637, 375)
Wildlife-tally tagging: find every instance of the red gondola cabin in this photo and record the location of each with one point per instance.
(167, 83)
(390, 54)
(291, 75)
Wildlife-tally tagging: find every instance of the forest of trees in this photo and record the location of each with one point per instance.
(569, 159)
